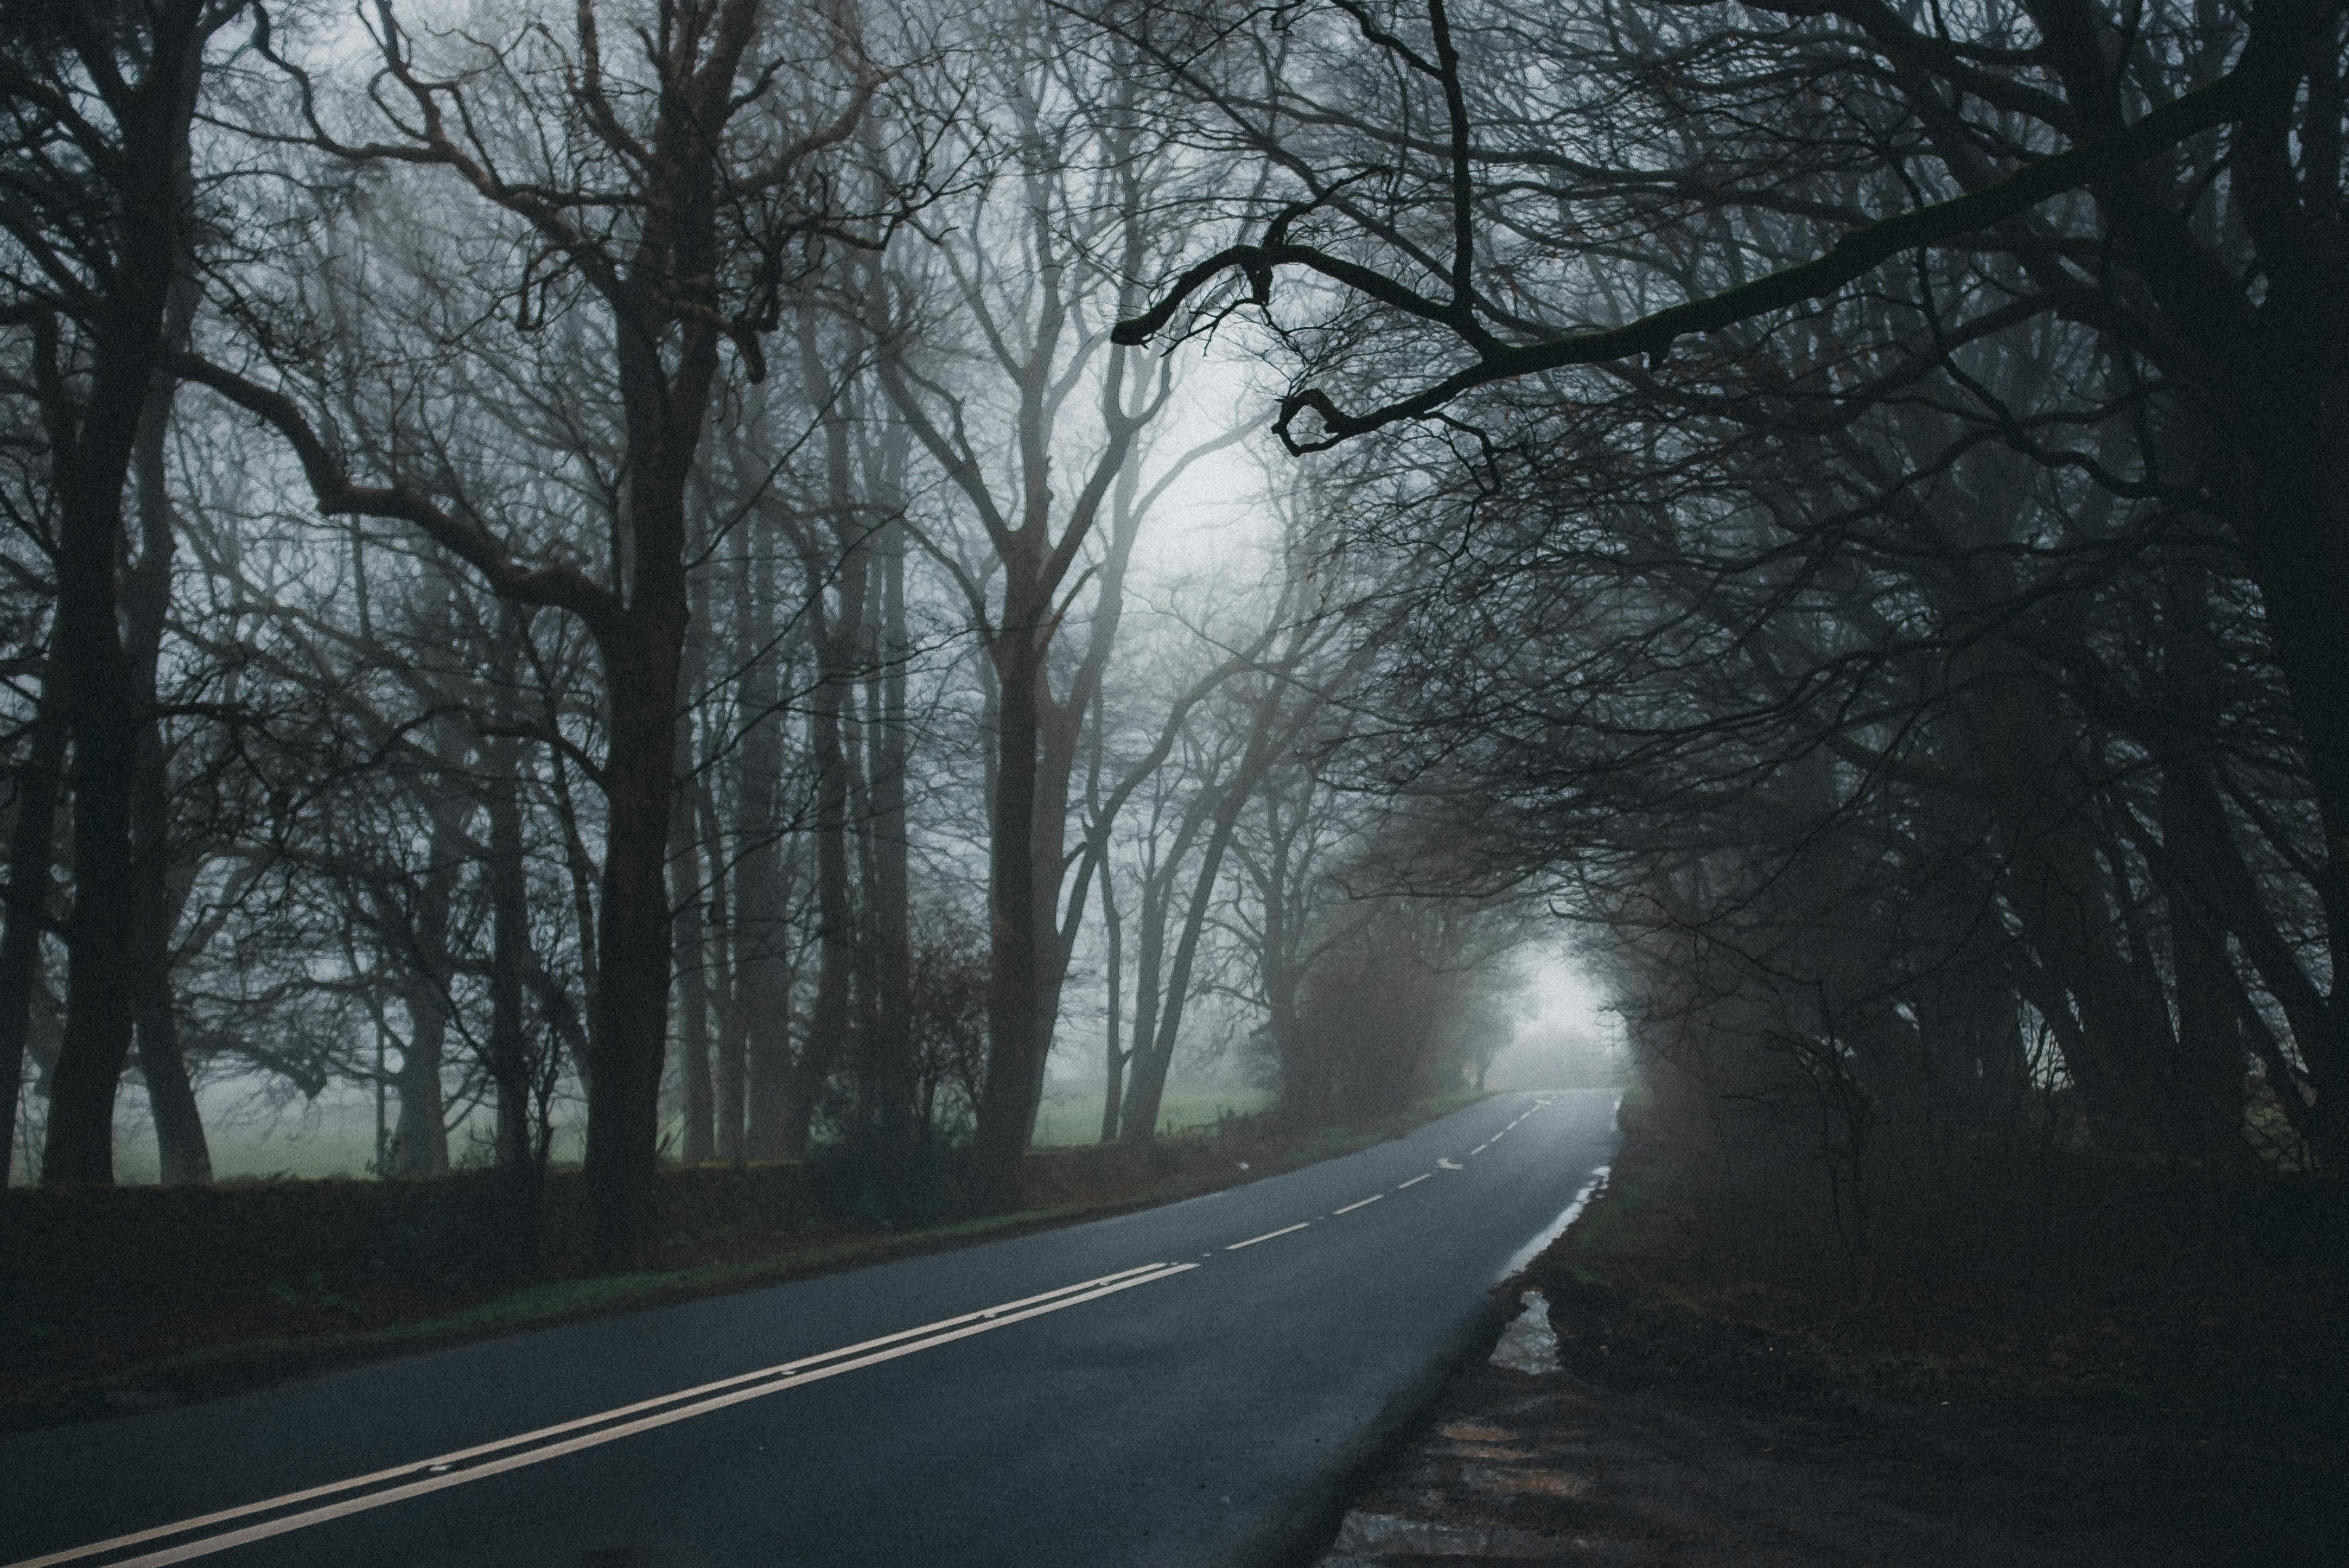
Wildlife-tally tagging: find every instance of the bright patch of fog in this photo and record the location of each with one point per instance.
(1567, 1036)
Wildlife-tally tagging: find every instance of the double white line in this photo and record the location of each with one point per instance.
(357, 1495)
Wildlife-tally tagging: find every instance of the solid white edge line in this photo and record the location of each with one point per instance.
(1252, 1241)
(1557, 1228)
(1352, 1207)
(1416, 1181)
(985, 1317)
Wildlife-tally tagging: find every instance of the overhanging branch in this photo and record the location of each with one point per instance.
(1850, 258)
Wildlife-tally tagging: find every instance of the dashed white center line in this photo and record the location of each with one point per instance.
(1416, 1180)
(1480, 1148)
(1252, 1241)
(1352, 1207)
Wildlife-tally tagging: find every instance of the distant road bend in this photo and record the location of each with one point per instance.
(1184, 1385)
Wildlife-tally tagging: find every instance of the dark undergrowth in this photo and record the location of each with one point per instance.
(2073, 1304)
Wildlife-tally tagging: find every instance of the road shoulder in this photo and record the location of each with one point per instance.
(1666, 1431)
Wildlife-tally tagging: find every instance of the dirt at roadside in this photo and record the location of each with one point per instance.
(1571, 1467)
(1655, 1432)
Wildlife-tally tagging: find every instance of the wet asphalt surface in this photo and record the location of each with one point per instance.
(1206, 1416)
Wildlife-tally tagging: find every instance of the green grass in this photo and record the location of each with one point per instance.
(323, 1152)
(1066, 1120)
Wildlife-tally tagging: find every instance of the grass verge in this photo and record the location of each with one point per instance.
(2112, 1298)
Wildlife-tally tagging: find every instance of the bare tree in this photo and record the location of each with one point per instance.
(670, 193)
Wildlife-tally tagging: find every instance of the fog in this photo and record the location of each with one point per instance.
(1053, 587)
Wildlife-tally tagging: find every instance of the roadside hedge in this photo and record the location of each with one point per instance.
(68, 1250)
(59, 1245)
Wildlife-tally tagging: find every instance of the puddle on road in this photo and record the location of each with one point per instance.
(1393, 1536)
(1519, 1482)
(1530, 1344)
(1470, 1432)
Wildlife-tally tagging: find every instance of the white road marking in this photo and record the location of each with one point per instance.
(441, 1472)
(1352, 1207)
(1557, 1228)
(1480, 1148)
(1447, 1165)
(1416, 1180)
(1252, 1241)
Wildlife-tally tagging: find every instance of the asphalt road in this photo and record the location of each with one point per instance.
(1185, 1384)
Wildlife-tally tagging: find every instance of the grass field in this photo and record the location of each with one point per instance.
(294, 1150)
(1076, 1118)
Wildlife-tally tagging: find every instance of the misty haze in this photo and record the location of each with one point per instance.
(1083, 782)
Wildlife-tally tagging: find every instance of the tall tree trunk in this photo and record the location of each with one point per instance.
(840, 638)
(513, 1064)
(766, 1045)
(1277, 972)
(1138, 1113)
(32, 858)
(1153, 1048)
(419, 1138)
(180, 1143)
(104, 717)
(721, 977)
(829, 1021)
(889, 918)
(699, 1104)
(687, 893)
(1113, 1055)
(1018, 1035)
(759, 1045)
(2204, 1082)
(628, 1013)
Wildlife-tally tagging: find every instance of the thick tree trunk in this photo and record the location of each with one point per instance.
(1018, 1034)
(2297, 539)
(687, 893)
(104, 720)
(103, 714)
(183, 1156)
(628, 1013)
(32, 858)
(419, 1134)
